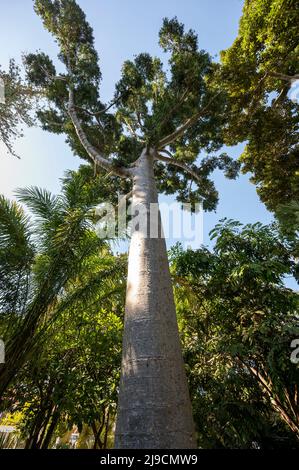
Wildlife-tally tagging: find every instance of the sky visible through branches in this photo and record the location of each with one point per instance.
(121, 30)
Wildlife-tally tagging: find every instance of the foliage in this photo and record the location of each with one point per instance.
(257, 73)
(18, 106)
(73, 375)
(150, 103)
(62, 290)
(238, 321)
(49, 253)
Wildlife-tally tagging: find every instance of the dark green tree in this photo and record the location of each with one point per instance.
(238, 322)
(17, 105)
(260, 73)
(38, 259)
(72, 377)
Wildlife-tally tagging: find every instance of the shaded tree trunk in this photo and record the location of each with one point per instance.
(97, 432)
(54, 421)
(154, 408)
(35, 429)
(106, 429)
(39, 427)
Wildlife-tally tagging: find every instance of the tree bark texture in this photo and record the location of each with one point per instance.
(154, 408)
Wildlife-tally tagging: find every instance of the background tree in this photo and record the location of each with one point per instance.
(236, 339)
(17, 105)
(73, 376)
(259, 73)
(149, 137)
(38, 260)
(237, 336)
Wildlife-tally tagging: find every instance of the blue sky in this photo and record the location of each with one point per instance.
(121, 29)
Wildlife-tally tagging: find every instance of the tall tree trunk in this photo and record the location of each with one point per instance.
(154, 409)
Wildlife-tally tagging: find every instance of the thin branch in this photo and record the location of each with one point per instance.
(174, 108)
(181, 129)
(52, 77)
(275, 400)
(282, 76)
(131, 130)
(103, 111)
(281, 95)
(90, 149)
(173, 161)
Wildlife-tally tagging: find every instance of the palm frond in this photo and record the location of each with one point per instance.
(14, 224)
(16, 258)
(41, 202)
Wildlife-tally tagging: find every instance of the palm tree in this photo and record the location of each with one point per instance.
(39, 258)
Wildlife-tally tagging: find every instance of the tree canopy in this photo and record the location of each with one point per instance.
(237, 336)
(257, 73)
(179, 109)
(62, 286)
(16, 106)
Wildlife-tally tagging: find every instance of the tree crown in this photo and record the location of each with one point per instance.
(178, 111)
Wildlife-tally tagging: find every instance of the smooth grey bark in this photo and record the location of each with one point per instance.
(154, 408)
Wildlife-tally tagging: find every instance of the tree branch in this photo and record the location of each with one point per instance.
(90, 149)
(98, 113)
(174, 108)
(181, 129)
(282, 76)
(173, 161)
(52, 77)
(132, 132)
